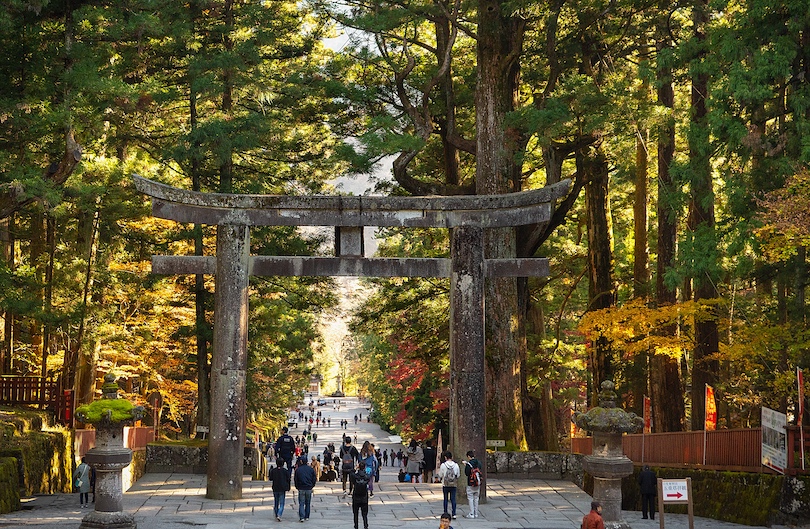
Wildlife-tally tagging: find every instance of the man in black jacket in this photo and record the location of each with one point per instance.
(285, 448)
(359, 480)
(304, 481)
(430, 462)
(281, 484)
(648, 484)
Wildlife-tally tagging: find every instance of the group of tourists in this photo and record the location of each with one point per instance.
(358, 469)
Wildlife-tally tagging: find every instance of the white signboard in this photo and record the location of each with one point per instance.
(674, 490)
(496, 442)
(774, 439)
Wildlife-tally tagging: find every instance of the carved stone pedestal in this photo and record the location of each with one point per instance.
(607, 462)
(608, 465)
(109, 457)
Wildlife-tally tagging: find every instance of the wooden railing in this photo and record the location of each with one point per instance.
(46, 393)
(738, 450)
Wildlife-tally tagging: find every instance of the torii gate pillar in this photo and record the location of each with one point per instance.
(229, 363)
(467, 381)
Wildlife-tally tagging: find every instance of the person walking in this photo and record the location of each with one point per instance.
(648, 485)
(316, 466)
(304, 481)
(448, 474)
(349, 456)
(415, 459)
(430, 462)
(385, 457)
(81, 481)
(369, 461)
(472, 469)
(285, 447)
(593, 520)
(281, 484)
(360, 491)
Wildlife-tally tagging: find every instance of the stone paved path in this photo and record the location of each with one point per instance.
(177, 501)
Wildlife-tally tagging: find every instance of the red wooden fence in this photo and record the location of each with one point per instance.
(739, 449)
(46, 393)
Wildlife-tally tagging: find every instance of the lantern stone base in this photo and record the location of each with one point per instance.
(108, 520)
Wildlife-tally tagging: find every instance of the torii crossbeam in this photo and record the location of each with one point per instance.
(466, 216)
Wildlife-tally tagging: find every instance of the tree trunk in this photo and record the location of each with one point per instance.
(447, 130)
(36, 254)
(226, 162)
(701, 226)
(668, 408)
(202, 329)
(500, 40)
(8, 240)
(641, 273)
(50, 242)
(78, 370)
(601, 290)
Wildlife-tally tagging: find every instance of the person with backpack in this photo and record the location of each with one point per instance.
(349, 456)
(472, 469)
(369, 460)
(281, 484)
(448, 474)
(285, 447)
(360, 482)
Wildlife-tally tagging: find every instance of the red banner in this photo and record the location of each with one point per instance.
(647, 415)
(711, 410)
(800, 381)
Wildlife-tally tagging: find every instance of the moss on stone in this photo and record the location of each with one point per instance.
(112, 410)
(9, 485)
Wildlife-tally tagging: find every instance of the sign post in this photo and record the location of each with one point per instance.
(496, 443)
(675, 492)
(774, 440)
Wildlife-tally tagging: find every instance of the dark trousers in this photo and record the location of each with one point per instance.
(449, 494)
(362, 508)
(648, 505)
(288, 461)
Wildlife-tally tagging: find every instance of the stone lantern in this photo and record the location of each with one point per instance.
(109, 457)
(607, 462)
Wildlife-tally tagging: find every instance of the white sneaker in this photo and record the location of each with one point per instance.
(471, 515)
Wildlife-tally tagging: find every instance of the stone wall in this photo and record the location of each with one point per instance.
(42, 457)
(740, 497)
(190, 459)
(9, 485)
(536, 465)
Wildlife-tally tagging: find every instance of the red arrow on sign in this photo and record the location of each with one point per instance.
(676, 495)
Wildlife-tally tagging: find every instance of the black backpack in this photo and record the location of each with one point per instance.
(360, 485)
(347, 458)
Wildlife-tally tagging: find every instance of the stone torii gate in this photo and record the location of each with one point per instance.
(466, 216)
